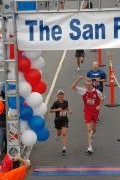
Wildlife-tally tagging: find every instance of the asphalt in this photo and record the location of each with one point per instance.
(106, 147)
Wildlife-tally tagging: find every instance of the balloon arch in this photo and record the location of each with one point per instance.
(31, 89)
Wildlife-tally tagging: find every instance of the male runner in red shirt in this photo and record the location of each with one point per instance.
(92, 100)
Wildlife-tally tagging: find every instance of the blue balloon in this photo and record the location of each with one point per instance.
(26, 112)
(12, 102)
(22, 100)
(36, 123)
(43, 135)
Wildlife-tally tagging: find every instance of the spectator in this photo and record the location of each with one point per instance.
(86, 4)
(62, 3)
(3, 142)
(18, 173)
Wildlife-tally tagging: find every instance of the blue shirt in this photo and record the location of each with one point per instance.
(93, 74)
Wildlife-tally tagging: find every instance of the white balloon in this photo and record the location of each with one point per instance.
(41, 72)
(24, 88)
(38, 63)
(21, 76)
(32, 55)
(24, 125)
(40, 110)
(29, 138)
(34, 99)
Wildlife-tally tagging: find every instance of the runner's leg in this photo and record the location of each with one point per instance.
(64, 132)
(78, 62)
(89, 133)
(58, 134)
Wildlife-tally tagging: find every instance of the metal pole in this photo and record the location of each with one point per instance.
(78, 4)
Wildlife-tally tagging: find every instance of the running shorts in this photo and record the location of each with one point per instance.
(79, 53)
(60, 123)
(91, 117)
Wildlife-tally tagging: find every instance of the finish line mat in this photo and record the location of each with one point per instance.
(76, 170)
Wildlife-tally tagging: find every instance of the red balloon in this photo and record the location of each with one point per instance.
(12, 55)
(19, 53)
(24, 64)
(33, 76)
(39, 87)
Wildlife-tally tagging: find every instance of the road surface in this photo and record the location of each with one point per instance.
(106, 148)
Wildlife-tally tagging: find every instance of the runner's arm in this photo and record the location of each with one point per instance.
(74, 85)
(80, 90)
(54, 108)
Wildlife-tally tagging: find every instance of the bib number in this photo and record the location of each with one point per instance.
(62, 114)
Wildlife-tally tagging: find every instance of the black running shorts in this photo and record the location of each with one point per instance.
(60, 123)
(79, 53)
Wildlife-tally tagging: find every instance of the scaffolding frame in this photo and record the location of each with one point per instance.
(12, 122)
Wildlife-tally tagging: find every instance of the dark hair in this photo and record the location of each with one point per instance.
(2, 94)
(16, 164)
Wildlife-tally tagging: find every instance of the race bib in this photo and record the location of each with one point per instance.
(90, 101)
(63, 113)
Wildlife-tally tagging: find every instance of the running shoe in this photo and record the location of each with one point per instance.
(78, 69)
(90, 150)
(64, 150)
(118, 139)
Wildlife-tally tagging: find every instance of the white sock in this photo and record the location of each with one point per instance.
(64, 147)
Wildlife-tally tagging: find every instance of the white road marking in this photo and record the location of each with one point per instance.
(55, 77)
